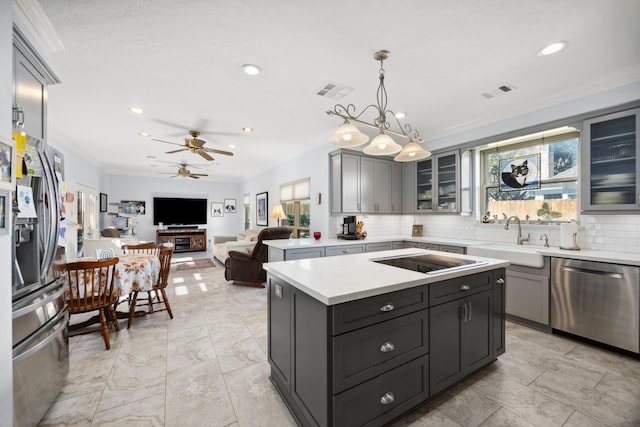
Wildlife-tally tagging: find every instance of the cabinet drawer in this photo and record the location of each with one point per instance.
(459, 287)
(385, 397)
(364, 353)
(292, 254)
(343, 250)
(358, 314)
(452, 249)
(375, 247)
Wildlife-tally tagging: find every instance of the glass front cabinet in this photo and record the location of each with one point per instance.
(437, 183)
(610, 163)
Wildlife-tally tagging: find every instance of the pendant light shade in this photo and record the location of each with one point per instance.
(412, 152)
(382, 145)
(348, 136)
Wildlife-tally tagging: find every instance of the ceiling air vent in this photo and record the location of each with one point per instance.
(333, 90)
(500, 90)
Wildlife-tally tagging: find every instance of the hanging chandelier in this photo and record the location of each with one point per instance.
(348, 135)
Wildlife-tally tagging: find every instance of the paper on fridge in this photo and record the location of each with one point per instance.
(26, 204)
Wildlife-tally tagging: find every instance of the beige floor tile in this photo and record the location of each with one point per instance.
(578, 419)
(188, 347)
(468, 407)
(144, 412)
(505, 418)
(76, 411)
(197, 395)
(238, 354)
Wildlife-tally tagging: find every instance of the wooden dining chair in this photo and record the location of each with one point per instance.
(90, 288)
(143, 248)
(163, 280)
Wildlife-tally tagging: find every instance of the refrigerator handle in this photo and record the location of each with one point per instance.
(52, 219)
(62, 319)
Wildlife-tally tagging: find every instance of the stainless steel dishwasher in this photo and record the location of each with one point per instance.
(596, 300)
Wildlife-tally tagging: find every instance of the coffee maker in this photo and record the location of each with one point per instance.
(348, 228)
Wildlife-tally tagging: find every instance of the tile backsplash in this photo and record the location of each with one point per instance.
(618, 233)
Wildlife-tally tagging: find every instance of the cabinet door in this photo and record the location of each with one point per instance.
(498, 312)
(445, 341)
(528, 296)
(424, 186)
(409, 187)
(350, 183)
(396, 187)
(477, 344)
(367, 185)
(279, 328)
(610, 162)
(382, 186)
(447, 182)
(29, 96)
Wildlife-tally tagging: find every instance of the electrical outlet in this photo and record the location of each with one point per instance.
(278, 291)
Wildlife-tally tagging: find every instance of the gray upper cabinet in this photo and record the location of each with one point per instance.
(610, 163)
(408, 187)
(31, 75)
(437, 183)
(364, 184)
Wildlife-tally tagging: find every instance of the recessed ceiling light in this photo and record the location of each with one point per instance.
(136, 110)
(552, 48)
(153, 165)
(248, 130)
(400, 115)
(151, 157)
(231, 145)
(251, 70)
(145, 134)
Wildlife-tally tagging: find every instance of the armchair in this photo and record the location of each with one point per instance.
(246, 268)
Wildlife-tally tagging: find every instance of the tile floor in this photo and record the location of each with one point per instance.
(208, 367)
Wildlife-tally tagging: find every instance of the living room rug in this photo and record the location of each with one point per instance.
(192, 264)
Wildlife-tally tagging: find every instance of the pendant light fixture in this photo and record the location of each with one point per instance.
(348, 135)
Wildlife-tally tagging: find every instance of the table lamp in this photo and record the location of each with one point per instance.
(278, 214)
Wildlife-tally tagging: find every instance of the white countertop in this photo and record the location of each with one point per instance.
(334, 280)
(584, 254)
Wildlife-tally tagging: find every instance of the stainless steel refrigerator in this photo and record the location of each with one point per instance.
(40, 317)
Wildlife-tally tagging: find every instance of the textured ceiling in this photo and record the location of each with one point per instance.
(181, 61)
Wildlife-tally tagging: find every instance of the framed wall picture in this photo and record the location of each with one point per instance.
(262, 208)
(416, 230)
(133, 207)
(230, 205)
(5, 209)
(520, 174)
(7, 166)
(103, 202)
(217, 209)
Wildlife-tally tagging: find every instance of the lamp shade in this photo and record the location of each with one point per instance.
(412, 152)
(382, 145)
(277, 212)
(348, 136)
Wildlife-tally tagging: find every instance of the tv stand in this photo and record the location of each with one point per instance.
(184, 239)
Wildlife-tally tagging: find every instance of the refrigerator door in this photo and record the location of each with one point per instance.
(40, 368)
(35, 310)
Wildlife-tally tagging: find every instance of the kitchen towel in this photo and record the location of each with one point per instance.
(566, 235)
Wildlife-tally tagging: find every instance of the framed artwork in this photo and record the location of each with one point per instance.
(132, 206)
(7, 166)
(262, 207)
(103, 202)
(5, 208)
(520, 174)
(416, 230)
(230, 205)
(217, 209)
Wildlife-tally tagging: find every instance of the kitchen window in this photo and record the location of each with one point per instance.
(551, 165)
(295, 201)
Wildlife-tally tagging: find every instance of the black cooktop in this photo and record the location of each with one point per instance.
(429, 263)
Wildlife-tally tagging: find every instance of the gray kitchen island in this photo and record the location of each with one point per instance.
(363, 339)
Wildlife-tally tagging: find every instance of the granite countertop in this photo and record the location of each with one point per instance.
(334, 280)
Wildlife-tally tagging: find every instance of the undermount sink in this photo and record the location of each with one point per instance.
(516, 254)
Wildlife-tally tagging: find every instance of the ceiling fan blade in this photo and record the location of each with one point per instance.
(176, 151)
(205, 155)
(166, 142)
(199, 174)
(193, 176)
(213, 150)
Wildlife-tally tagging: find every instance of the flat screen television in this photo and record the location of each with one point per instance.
(179, 211)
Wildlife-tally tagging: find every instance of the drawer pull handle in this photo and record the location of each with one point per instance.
(387, 347)
(500, 281)
(387, 398)
(465, 287)
(387, 307)
(345, 251)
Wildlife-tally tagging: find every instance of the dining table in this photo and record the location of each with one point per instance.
(133, 272)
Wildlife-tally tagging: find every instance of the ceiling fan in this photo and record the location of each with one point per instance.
(184, 172)
(196, 146)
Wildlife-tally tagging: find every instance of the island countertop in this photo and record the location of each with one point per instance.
(335, 280)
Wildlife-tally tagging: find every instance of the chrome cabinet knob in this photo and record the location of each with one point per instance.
(345, 251)
(387, 347)
(387, 307)
(465, 287)
(500, 281)
(387, 398)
